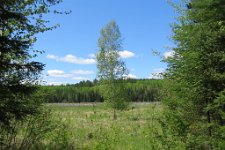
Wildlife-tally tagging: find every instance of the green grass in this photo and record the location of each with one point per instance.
(93, 127)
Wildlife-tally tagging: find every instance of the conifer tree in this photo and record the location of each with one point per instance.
(20, 21)
(196, 73)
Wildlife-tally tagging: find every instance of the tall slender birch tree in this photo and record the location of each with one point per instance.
(111, 69)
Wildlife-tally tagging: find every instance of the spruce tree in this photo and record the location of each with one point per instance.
(196, 74)
(20, 21)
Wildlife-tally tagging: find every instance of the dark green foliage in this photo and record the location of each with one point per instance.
(20, 21)
(138, 90)
(196, 75)
(71, 94)
(114, 94)
(144, 90)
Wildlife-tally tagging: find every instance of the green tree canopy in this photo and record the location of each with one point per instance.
(111, 69)
(20, 21)
(197, 74)
(110, 66)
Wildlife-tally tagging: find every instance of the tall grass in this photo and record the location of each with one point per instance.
(91, 127)
(138, 127)
(42, 131)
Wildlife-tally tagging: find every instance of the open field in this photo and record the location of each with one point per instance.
(92, 127)
(96, 104)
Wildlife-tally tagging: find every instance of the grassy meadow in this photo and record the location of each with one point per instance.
(93, 127)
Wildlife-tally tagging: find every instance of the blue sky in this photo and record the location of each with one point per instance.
(144, 25)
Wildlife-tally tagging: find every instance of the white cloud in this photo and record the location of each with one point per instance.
(91, 55)
(80, 78)
(131, 76)
(168, 54)
(54, 83)
(58, 73)
(51, 57)
(82, 72)
(126, 54)
(72, 59)
(157, 73)
(72, 75)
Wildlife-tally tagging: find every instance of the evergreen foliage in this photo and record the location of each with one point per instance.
(138, 90)
(20, 21)
(196, 76)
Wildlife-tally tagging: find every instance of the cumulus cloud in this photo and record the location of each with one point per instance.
(156, 73)
(51, 57)
(58, 73)
(72, 59)
(168, 54)
(91, 55)
(80, 78)
(130, 76)
(72, 75)
(54, 83)
(126, 54)
(82, 72)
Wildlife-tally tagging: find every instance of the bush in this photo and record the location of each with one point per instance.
(36, 132)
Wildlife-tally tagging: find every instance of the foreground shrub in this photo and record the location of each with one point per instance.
(36, 132)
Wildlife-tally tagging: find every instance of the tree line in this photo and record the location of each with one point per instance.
(137, 90)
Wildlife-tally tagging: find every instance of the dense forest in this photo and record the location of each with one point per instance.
(137, 90)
